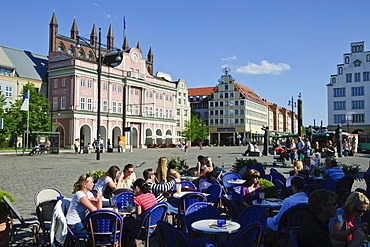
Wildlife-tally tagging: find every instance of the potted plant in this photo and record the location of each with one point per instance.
(95, 174)
(4, 219)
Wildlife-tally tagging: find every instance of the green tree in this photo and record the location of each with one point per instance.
(196, 129)
(5, 133)
(39, 117)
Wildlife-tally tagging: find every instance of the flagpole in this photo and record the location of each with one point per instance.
(28, 123)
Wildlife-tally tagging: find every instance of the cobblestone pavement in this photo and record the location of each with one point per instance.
(22, 176)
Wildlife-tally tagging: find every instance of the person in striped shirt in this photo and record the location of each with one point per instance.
(159, 189)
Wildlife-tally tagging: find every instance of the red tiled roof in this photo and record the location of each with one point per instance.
(201, 91)
(249, 93)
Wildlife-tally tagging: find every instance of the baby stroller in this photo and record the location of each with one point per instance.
(35, 150)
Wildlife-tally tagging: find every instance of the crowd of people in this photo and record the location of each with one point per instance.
(329, 224)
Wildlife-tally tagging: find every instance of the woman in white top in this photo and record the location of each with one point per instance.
(82, 200)
(109, 180)
(129, 177)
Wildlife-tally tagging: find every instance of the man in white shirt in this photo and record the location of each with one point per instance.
(298, 197)
(300, 145)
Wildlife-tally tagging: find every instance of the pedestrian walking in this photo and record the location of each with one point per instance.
(120, 146)
(200, 145)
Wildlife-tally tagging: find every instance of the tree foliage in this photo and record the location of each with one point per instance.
(196, 129)
(15, 120)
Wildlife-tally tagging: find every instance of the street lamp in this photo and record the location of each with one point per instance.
(109, 61)
(293, 104)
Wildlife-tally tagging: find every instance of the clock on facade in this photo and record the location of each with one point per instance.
(134, 57)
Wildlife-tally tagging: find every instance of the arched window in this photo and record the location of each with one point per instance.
(346, 60)
(353, 49)
(88, 57)
(340, 70)
(80, 54)
(361, 48)
(333, 80)
(368, 58)
(70, 52)
(60, 48)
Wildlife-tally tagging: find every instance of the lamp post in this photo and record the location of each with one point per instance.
(293, 104)
(110, 62)
(51, 118)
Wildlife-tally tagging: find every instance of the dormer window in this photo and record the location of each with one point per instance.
(346, 60)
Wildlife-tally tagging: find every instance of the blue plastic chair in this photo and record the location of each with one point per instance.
(229, 176)
(253, 214)
(293, 238)
(277, 175)
(293, 218)
(328, 184)
(149, 221)
(199, 211)
(104, 227)
(309, 188)
(231, 209)
(248, 236)
(185, 184)
(187, 200)
(214, 192)
(72, 238)
(124, 199)
(171, 236)
(282, 189)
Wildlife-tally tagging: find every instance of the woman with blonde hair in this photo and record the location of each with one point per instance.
(82, 200)
(161, 174)
(346, 224)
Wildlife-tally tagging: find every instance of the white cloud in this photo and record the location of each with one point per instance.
(96, 4)
(231, 58)
(264, 68)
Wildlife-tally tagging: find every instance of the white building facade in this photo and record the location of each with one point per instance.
(349, 90)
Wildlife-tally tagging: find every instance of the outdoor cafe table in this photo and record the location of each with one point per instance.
(270, 203)
(236, 181)
(179, 195)
(210, 227)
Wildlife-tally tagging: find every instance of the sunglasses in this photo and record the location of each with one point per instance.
(256, 177)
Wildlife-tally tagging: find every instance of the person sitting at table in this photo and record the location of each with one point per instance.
(171, 171)
(250, 189)
(332, 171)
(129, 177)
(314, 230)
(161, 173)
(330, 149)
(209, 172)
(143, 201)
(108, 182)
(298, 169)
(308, 167)
(298, 197)
(82, 200)
(347, 220)
(200, 165)
(161, 191)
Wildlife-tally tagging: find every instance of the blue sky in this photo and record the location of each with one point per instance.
(278, 48)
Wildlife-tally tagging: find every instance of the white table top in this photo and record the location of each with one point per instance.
(179, 195)
(236, 181)
(188, 178)
(269, 203)
(210, 227)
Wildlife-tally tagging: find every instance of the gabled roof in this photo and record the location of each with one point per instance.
(201, 91)
(249, 93)
(25, 63)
